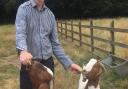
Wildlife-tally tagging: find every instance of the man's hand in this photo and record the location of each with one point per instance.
(25, 57)
(76, 69)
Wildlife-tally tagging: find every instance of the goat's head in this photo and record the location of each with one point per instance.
(95, 72)
(92, 72)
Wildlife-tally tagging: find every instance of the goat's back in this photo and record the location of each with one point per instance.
(39, 75)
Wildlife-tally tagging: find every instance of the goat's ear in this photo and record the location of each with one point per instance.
(100, 72)
(103, 67)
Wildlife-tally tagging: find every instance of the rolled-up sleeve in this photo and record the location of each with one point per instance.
(58, 50)
(21, 29)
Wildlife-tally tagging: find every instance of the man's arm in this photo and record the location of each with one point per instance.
(58, 50)
(60, 54)
(21, 44)
(21, 29)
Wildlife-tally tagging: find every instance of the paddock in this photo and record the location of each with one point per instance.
(9, 65)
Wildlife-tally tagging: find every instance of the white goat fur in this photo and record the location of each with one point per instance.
(51, 73)
(88, 68)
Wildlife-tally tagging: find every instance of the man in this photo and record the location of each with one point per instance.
(36, 37)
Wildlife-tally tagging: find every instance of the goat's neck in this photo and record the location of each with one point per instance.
(92, 83)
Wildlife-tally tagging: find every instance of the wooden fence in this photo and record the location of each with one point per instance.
(63, 30)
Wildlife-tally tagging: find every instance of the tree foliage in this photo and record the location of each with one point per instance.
(8, 9)
(71, 8)
(89, 8)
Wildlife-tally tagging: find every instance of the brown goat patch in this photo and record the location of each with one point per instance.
(39, 75)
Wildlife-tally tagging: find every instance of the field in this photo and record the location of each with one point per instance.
(100, 33)
(9, 64)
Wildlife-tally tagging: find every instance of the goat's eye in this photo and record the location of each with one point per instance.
(84, 71)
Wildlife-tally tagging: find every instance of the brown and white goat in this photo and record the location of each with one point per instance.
(40, 75)
(90, 75)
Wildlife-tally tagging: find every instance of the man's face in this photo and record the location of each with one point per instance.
(40, 2)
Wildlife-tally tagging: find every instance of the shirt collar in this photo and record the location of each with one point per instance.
(34, 4)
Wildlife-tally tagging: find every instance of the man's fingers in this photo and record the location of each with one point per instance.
(76, 69)
(25, 61)
(76, 72)
(25, 57)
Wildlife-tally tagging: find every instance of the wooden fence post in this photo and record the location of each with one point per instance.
(57, 23)
(80, 34)
(92, 40)
(112, 38)
(61, 28)
(66, 29)
(72, 30)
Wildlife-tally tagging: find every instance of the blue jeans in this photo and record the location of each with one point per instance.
(25, 82)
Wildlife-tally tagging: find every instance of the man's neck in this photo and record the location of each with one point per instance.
(40, 7)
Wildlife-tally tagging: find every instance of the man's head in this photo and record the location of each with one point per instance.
(40, 2)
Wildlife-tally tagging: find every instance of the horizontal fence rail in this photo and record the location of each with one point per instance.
(64, 30)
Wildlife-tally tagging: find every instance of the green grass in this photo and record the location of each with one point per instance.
(8, 71)
(7, 40)
(80, 55)
(119, 36)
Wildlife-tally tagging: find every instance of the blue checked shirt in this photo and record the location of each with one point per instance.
(36, 32)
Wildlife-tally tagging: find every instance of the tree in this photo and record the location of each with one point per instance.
(71, 8)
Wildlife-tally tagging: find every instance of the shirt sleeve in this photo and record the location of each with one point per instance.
(58, 50)
(21, 29)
